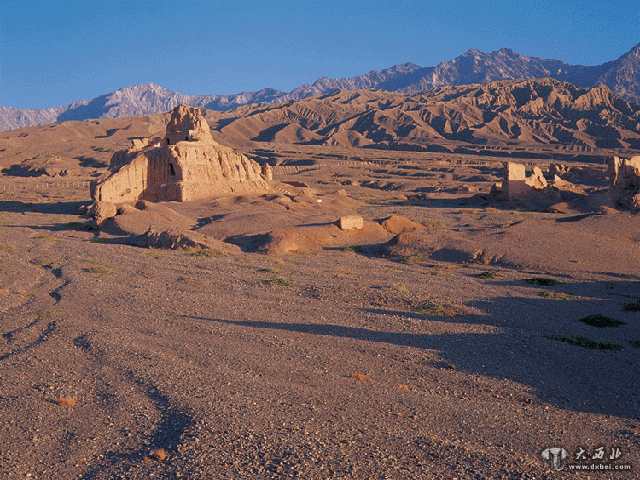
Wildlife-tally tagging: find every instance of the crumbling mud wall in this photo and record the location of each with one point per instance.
(185, 165)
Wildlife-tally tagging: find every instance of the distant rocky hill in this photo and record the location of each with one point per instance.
(504, 113)
(622, 76)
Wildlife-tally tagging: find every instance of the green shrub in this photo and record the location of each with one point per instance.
(489, 274)
(555, 295)
(632, 307)
(580, 341)
(543, 282)
(601, 321)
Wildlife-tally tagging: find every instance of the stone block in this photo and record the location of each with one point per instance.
(351, 222)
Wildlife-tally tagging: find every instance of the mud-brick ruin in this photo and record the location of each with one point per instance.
(185, 165)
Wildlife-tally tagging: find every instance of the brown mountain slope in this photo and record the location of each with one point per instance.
(517, 113)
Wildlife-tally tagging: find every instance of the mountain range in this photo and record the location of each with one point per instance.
(518, 115)
(622, 76)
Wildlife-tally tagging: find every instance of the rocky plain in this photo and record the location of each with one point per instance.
(454, 334)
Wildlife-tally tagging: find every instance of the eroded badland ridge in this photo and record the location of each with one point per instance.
(620, 75)
(361, 284)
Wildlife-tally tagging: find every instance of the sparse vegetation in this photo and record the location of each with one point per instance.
(399, 288)
(414, 259)
(44, 314)
(433, 224)
(98, 240)
(436, 309)
(580, 341)
(100, 269)
(632, 307)
(46, 263)
(207, 253)
(278, 282)
(7, 248)
(47, 238)
(489, 274)
(153, 253)
(73, 226)
(340, 272)
(354, 249)
(543, 282)
(555, 295)
(601, 321)
(270, 270)
(634, 343)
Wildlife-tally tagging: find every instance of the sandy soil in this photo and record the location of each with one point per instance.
(361, 357)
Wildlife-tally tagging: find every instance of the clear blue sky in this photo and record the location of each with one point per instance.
(55, 52)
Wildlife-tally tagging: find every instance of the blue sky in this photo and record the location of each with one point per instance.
(55, 52)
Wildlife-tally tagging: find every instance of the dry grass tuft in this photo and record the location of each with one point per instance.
(44, 314)
(433, 224)
(632, 307)
(601, 321)
(159, 454)
(66, 402)
(436, 309)
(47, 238)
(361, 377)
(340, 272)
(414, 259)
(270, 270)
(556, 295)
(543, 282)
(207, 253)
(101, 270)
(584, 342)
(489, 274)
(278, 282)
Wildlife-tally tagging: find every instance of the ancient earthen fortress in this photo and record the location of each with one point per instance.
(187, 164)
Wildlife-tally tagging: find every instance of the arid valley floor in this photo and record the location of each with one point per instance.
(306, 354)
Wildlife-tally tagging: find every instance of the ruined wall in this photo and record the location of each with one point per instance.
(126, 184)
(183, 172)
(624, 173)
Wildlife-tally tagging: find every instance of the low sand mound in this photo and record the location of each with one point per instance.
(137, 221)
(48, 166)
(397, 224)
(310, 238)
(186, 240)
(589, 243)
(158, 226)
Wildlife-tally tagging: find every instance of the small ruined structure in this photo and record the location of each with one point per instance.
(624, 181)
(516, 184)
(186, 164)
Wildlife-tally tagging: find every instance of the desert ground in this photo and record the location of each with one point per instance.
(445, 340)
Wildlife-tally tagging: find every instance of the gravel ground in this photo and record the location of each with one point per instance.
(324, 365)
